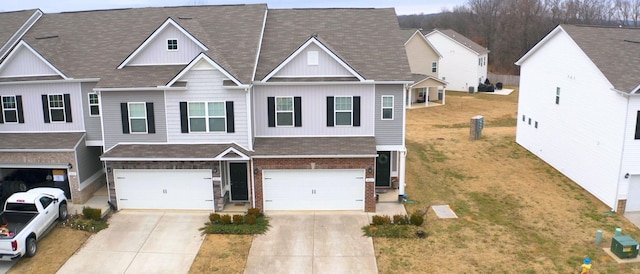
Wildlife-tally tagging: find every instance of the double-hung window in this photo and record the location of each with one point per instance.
(434, 66)
(137, 118)
(172, 44)
(344, 110)
(94, 104)
(387, 107)
(207, 117)
(56, 108)
(9, 109)
(284, 111)
(557, 96)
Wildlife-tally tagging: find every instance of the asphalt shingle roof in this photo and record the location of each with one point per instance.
(368, 40)
(40, 141)
(615, 51)
(92, 44)
(10, 23)
(465, 41)
(301, 146)
(168, 151)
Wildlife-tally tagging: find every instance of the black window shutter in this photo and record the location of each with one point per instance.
(638, 126)
(2, 112)
(19, 107)
(271, 111)
(151, 121)
(297, 111)
(356, 111)
(184, 119)
(45, 108)
(231, 125)
(124, 112)
(329, 111)
(67, 108)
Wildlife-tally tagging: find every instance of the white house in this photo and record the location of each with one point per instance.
(579, 109)
(464, 62)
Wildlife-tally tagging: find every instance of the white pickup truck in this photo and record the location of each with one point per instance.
(27, 217)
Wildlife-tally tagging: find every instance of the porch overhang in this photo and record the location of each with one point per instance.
(176, 152)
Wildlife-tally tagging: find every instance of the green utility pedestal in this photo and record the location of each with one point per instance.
(624, 247)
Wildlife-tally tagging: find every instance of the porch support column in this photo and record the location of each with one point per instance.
(401, 172)
(410, 91)
(444, 93)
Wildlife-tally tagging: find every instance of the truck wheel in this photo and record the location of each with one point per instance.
(31, 247)
(63, 213)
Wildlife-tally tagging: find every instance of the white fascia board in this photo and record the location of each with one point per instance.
(444, 83)
(70, 80)
(21, 31)
(220, 157)
(329, 83)
(34, 165)
(300, 49)
(255, 65)
(123, 159)
(540, 44)
(413, 35)
(23, 44)
(455, 41)
(424, 38)
(141, 89)
(36, 150)
(313, 156)
(157, 32)
(98, 143)
(391, 148)
(213, 63)
(634, 90)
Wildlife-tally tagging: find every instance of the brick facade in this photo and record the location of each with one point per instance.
(77, 196)
(317, 163)
(622, 205)
(219, 198)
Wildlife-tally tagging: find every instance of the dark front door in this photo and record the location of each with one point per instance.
(383, 169)
(239, 186)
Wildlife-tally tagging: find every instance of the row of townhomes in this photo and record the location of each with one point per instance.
(439, 59)
(579, 109)
(199, 107)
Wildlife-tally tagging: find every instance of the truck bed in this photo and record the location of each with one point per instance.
(16, 221)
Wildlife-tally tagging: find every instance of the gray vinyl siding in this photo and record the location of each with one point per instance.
(92, 124)
(389, 132)
(314, 110)
(206, 86)
(88, 161)
(32, 107)
(327, 66)
(25, 63)
(156, 51)
(113, 120)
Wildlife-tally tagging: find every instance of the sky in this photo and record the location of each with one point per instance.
(402, 7)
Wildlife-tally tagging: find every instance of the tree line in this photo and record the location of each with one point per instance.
(509, 28)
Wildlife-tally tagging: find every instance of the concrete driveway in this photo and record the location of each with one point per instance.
(313, 242)
(141, 242)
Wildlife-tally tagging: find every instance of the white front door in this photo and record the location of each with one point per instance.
(164, 189)
(314, 189)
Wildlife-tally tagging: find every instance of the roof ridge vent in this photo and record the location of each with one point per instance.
(47, 37)
(631, 41)
(185, 18)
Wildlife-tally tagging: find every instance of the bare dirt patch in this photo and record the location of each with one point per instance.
(53, 251)
(222, 254)
(516, 213)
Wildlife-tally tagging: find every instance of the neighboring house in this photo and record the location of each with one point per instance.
(579, 109)
(424, 61)
(464, 62)
(288, 109)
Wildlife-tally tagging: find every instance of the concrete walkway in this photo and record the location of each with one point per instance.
(142, 242)
(313, 242)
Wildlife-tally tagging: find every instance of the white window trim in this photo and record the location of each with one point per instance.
(207, 116)
(91, 104)
(382, 107)
(557, 96)
(177, 44)
(4, 109)
(146, 122)
(434, 67)
(336, 111)
(292, 111)
(64, 113)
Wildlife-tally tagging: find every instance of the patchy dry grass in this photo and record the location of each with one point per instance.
(516, 213)
(222, 254)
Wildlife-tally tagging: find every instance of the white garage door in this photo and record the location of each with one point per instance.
(317, 189)
(164, 189)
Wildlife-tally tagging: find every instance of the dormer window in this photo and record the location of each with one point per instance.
(172, 44)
